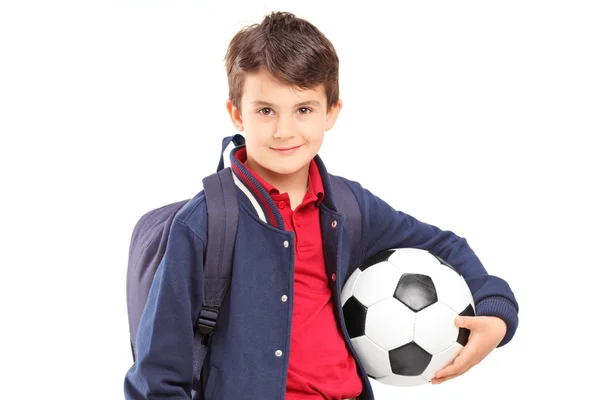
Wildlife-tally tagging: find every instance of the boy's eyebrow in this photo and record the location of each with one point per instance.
(267, 104)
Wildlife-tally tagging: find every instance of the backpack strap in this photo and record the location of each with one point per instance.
(347, 205)
(228, 144)
(221, 203)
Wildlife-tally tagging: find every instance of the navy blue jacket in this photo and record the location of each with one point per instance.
(243, 361)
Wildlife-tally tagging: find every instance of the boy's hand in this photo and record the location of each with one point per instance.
(486, 334)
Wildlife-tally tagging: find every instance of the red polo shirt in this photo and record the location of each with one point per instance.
(320, 364)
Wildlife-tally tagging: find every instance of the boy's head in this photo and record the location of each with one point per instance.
(283, 91)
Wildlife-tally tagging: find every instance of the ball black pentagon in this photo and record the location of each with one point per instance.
(355, 315)
(376, 259)
(409, 360)
(463, 333)
(416, 291)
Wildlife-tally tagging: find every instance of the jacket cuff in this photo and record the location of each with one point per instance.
(501, 307)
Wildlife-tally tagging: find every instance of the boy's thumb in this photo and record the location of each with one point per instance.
(465, 322)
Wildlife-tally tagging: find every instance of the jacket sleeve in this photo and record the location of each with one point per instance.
(163, 368)
(386, 228)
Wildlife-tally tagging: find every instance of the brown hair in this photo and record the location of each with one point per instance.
(291, 49)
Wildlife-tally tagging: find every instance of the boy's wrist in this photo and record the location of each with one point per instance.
(501, 307)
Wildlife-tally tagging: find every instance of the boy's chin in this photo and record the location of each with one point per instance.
(287, 169)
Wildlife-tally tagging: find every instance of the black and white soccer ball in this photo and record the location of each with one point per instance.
(399, 308)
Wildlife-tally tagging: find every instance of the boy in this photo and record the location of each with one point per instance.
(281, 333)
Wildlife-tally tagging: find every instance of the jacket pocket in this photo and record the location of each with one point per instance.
(213, 384)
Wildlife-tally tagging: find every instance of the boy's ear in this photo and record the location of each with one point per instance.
(332, 115)
(235, 115)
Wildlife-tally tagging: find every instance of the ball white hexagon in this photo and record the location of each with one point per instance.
(452, 289)
(441, 360)
(389, 324)
(349, 286)
(376, 283)
(404, 381)
(411, 260)
(435, 330)
(375, 359)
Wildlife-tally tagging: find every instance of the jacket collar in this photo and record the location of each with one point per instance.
(254, 193)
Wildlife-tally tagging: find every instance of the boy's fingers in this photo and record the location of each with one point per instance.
(451, 369)
(459, 366)
(466, 322)
(437, 381)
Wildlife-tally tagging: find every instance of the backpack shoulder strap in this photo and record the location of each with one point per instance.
(347, 205)
(222, 209)
(221, 203)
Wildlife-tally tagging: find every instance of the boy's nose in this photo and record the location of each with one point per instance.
(284, 129)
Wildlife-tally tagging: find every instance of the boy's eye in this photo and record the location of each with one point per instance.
(269, 111)
(265, 111)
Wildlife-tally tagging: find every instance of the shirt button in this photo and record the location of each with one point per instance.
(284, 298)
(278, 353)
(281, 204)
(333, 223)
(286, 244)
(333, 277)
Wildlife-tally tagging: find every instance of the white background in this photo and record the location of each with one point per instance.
(476, 116)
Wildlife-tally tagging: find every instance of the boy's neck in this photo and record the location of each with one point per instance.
(295, 184)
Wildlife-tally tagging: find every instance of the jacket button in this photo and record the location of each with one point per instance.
(284, 298)
(333, 223)
(333, 277)
(286, 244)
(278, 353)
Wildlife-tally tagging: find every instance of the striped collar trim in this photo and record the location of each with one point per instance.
(261, 201)
(256, 193)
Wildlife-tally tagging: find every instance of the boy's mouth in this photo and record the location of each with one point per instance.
(286, 150)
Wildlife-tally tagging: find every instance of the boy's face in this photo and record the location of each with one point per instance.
(283, 126)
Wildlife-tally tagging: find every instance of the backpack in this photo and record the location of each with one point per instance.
(151, 233)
